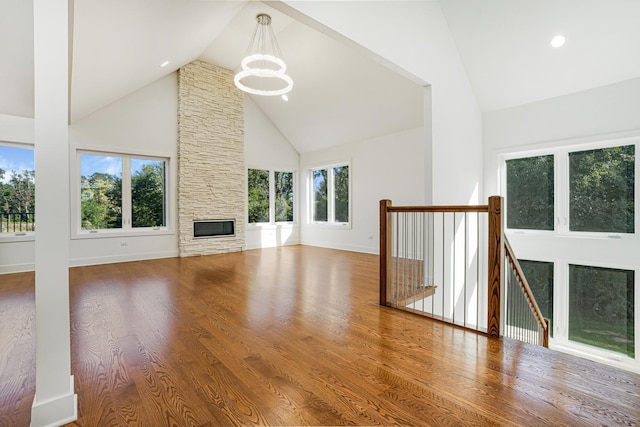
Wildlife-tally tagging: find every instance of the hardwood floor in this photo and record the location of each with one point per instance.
(288, 336)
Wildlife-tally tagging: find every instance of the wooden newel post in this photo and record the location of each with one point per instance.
(385, 249)
(496, 264)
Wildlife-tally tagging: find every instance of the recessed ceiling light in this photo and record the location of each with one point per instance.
(164, 64)
(285, 97)
(557, 41)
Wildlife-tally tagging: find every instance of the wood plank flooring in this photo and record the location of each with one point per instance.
(289, 336)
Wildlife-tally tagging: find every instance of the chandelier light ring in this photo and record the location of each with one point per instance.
(263, 62)
(257, 57)
(263, 73)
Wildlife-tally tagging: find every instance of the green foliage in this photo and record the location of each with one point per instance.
(284, 196)
(147, 196)
(341, 193)
(540, 278)
(601, 307)
(530, 193)
(602, 185)
(18, 197)
(101, 201)
(320, 207)
(258, 195)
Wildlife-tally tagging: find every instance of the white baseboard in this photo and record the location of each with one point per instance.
(350, 248)
(81, 262)
(57, 411)
(17, 268)
(251, 247)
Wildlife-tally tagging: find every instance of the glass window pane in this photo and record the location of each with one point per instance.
(539, 275)
(284, 196)
(100, 191)
(17, 190)
(320, 208)
(601, 190)
(258, 193)
(148, 197)
(341, 193)
(530, 193)
(601, 308)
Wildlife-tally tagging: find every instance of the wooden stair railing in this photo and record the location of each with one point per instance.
(499, 253)
(543, 323)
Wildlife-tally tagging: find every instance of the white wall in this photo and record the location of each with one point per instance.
(590, 115)
(17, 254)
(144, 122)
(266, 148)
(598, 115)
(16, 129)
(386, 167)
(414, 37)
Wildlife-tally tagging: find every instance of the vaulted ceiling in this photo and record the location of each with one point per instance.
(118, 46)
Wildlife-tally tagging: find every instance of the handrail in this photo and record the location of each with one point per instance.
(445, 208)
(407, 262)
(528, 293)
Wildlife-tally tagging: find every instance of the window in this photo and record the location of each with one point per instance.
(122, 192)
(601, 308)
(258, 192)
(284, 196)
(597, 193)
(17, 190)
(330, 188)
(601, 190)
(530, 193)
(575, 206)
(270, 196)
(540, 278)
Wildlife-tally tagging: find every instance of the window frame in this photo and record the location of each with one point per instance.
(127, 230)
(562, 190)
(330, 222)
(272, 197)
(535, 243)
(24, 236)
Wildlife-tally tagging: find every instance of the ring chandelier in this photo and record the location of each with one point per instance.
(263, 63)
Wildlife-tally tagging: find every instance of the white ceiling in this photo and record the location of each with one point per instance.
(505, 46)
(339, 95)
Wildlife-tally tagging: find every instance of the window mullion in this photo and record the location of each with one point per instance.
(562, 191)
(272, 197)
(126, 193)
(330, 196)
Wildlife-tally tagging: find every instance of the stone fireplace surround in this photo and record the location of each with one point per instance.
(211, 161)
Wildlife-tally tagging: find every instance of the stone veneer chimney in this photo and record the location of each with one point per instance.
(211, 167)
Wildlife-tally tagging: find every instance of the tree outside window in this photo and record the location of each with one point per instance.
(105, 204)
(601, 308)
(258, 193)
(270, 196)
(530, 193)
(284, 196)
(330, 189)
(601, 190)
(17, 190)
(320, 195)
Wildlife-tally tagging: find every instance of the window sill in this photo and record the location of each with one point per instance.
(17, 237)
(339, 226)
(271, 226)
(573, 234)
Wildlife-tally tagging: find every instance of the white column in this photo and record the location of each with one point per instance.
(55, 402)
